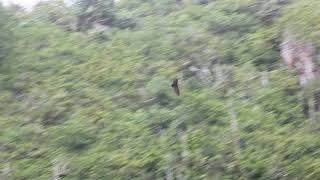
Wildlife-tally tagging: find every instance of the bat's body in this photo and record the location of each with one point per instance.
(175, 87)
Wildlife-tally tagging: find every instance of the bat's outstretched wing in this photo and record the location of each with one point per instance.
(175, 87)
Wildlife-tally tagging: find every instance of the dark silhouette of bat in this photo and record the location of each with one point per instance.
(175, 87)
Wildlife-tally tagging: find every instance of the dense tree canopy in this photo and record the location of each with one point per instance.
(6, 37)
(85, 91)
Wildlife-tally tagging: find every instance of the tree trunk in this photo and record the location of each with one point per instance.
(234, 126)
(312, 112)
(264, 79)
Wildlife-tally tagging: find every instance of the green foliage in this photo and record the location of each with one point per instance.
(6, 36)
(73, 137)
(301, 18)
(55, 12)
(101, 97)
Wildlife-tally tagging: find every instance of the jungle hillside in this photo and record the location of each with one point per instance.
(85, 90)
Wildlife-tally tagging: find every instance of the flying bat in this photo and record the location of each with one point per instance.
(175, 87)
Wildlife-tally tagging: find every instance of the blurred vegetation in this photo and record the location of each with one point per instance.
(88, 85)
